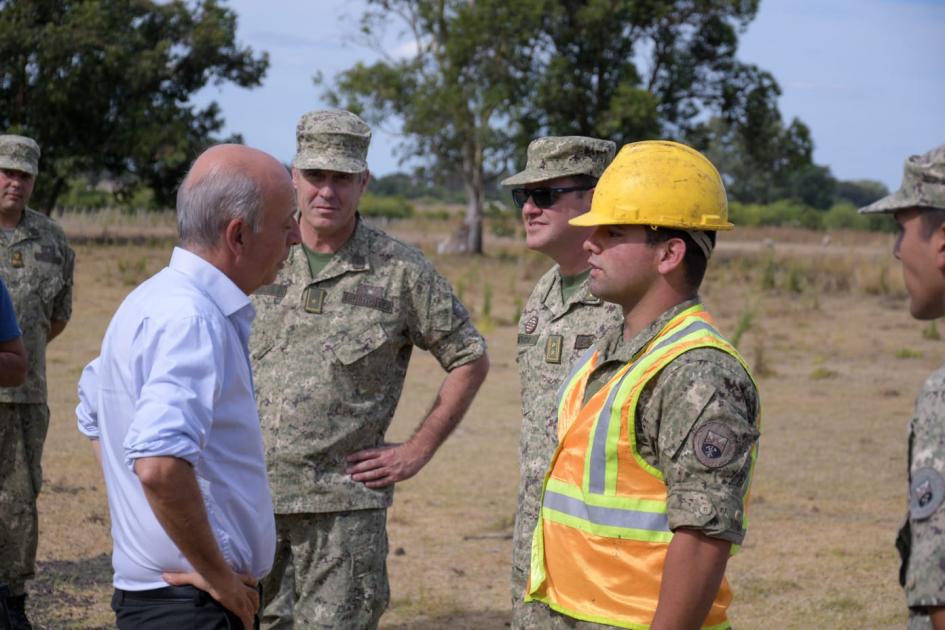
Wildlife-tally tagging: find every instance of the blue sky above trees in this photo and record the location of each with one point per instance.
(864, 75)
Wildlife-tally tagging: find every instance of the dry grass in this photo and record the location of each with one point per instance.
(829, 490)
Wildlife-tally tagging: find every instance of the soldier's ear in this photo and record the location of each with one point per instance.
(937, 242)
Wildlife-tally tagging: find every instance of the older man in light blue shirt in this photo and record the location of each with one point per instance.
(169, 405)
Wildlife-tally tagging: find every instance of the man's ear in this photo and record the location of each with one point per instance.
(937, 241)
(233, 236)
(672, 253)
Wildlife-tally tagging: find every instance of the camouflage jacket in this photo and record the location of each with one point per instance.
(699, 389)
(552, 335)
(37, 266)
(330, 355)
(922, 537)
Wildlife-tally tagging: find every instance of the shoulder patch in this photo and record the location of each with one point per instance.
(531, 324)
(460, 313)
(926, 493)
(714, 444)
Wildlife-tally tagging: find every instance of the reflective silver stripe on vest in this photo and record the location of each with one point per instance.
(613, 517)
(598, 469)
(577, 368)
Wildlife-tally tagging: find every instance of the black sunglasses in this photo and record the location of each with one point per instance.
(542, 197)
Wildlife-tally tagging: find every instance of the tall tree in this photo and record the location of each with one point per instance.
(489, 76)
(454, 95)
(106, 85)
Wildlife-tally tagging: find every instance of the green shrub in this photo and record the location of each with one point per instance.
(387, 207)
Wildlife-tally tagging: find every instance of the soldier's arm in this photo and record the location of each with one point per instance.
(937, 615)
(707, 408)
(62, 303)
(13, 364)
(56, 327)
(379, 467)
(692, 575)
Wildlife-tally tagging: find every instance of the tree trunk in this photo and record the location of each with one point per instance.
(473, 183)
(47, 201)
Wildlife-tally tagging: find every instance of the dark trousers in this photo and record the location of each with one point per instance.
(184, 607)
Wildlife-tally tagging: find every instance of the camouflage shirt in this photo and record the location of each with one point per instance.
(330, 356)
(36, 264)
(701, 386)
(922, 537)
(552, 336)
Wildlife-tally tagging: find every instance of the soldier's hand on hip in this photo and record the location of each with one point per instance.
(386, 465)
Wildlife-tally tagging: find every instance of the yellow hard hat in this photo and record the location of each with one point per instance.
(661, 184)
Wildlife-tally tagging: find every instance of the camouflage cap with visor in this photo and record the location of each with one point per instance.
(923, 185)
(332, 140)
(19, 153)
(563, 156)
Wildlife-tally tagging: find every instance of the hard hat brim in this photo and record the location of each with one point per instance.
(590, 219)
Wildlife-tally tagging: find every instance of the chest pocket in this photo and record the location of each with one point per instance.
(356, 346)
(36, 272)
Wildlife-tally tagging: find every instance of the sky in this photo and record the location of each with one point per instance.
(867, 76)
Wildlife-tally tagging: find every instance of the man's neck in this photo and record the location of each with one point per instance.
(646, 311)
(9, 219)
(322, 243)
(571, 263)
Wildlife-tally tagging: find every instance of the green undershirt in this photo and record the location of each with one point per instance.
(571, 284)
(316, 260)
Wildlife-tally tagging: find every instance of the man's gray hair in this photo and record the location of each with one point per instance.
(207, 205)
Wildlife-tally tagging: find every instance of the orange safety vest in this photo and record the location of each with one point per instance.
(602, 535)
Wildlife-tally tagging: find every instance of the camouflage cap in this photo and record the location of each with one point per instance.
(563, 156)
(923, 185)
(19, 153)
(333, 140)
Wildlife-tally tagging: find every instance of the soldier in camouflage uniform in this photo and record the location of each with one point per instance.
(559, 322)
(36, 264)
(919, 208)
(694, 422)
(330, 347)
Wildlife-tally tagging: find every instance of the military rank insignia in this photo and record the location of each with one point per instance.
(553, 347)
(313, 299)
(16, 259)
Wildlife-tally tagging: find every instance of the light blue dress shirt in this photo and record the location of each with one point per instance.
(174, 379)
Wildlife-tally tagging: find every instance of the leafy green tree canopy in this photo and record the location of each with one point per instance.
(104, 86)
(491, 75)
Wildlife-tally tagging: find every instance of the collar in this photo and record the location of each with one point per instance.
(614, 348)
(552, 295)
(217, 285)
(28, 228)
(354, 256)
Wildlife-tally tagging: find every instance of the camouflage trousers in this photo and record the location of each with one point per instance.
(330, 571)
(22, 433)
(919, 620)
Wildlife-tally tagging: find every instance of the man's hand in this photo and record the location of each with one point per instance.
(238, 594)
(386, 465)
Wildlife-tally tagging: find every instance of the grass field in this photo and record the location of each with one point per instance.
(824, 326)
